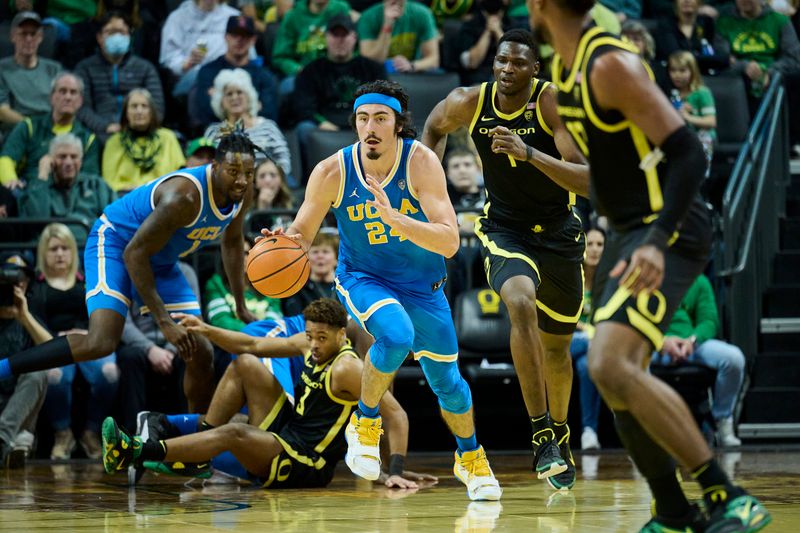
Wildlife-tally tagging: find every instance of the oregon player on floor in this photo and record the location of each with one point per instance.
(532, 241)
(646, 168)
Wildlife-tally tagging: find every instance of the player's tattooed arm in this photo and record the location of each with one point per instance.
(322, 191)
(454, 112)
(233, 258)
(177, 203)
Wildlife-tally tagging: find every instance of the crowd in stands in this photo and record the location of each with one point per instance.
(100, 97)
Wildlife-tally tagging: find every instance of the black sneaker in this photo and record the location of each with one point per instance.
(547, 461)
(693, 522)
(566, 479)
(738, 514)
(150, 425)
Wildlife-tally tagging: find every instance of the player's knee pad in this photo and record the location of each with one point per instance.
(394, 338)
(448, 384)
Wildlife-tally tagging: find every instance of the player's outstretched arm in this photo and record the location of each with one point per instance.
(239, 343)
(440, 233)
(454, 112)
(321, 193)
(619, 81)
(233, 258)
(177, 203)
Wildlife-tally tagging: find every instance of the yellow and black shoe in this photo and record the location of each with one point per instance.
(738, 514)
(196, 470)
(566, 479)
(547, 461)
(693, 522)
(119, 449)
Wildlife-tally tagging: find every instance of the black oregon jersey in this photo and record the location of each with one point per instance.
(627, 174)
(319, 416)
(518, 194)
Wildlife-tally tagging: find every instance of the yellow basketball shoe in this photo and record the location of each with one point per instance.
(473, 470)
(363, 436)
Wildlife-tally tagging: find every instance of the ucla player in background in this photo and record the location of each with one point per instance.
(396, 223)
(532, 241)
(646, 169)
(131, 258)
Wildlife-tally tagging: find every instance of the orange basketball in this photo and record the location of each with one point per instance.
(277, 266)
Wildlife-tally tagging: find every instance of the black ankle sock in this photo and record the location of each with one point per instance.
(51, 354)
(205, 426)
(715, 483)
(153, 450)
(654, 463)
(561, 430)
(542, 429)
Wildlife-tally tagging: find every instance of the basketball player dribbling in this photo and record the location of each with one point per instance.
(396, 223)
(646, 169)
(131, 257)
(532, 241)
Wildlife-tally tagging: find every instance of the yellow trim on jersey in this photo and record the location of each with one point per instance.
(646, 328)
(619, 297)
(519, 111)
(481, 97)
(273, 413)
(273, 470)
(344, 351)
(557, 67)
(342, 175)
(555, 315)
(650, 173)
(414, 146)
(319, 464)
(335, 428)
(539, 116)
(397, 159)
(452, 358)
(102, 287)
(362, 317)
(496, 250)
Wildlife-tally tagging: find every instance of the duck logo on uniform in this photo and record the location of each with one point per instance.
(528, 115)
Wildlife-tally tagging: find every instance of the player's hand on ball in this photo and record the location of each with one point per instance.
(644, 272)
(297, 237)
(505, 142)
(381, 202)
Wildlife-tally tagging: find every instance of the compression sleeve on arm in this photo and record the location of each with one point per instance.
(686, 166)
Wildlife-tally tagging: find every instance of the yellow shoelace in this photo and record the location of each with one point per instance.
(477, 466)
(368, 435)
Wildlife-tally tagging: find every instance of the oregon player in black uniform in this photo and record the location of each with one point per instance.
(286, 445)
(657, 246)
(532, 241)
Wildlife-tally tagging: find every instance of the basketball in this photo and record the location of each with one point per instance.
(277, 266)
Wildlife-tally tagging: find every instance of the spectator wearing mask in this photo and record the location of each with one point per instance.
(400, 33)
(323, 256)
(59, 294)
(112, 73)
(25, 78)
(240, 36)
(193, 35)
(235, 99)
(478, 40)
(142, 150)
(20, 397)
(24, 155)
(62, 190)
(762, 42)
(301, 37)
(691, 338)
(323, 96)
(687, 29)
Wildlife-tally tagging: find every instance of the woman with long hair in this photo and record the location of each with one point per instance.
(142, 150)
(58, 294)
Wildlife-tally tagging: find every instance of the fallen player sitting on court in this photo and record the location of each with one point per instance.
(283, 445)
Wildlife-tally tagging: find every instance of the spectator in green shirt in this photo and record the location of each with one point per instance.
(690, 338)
(24, 155)
(401, 34)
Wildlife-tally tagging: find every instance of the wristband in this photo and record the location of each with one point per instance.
(397, 464)
(657, 237)
(528, 153)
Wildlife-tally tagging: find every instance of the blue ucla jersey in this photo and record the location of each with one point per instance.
(366, 244)
(130, 211)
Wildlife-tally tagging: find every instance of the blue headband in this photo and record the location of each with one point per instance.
(377, 98)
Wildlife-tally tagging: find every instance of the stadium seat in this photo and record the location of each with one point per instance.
(482, 326)
(322, 144)
(733, 117)
(425, 91)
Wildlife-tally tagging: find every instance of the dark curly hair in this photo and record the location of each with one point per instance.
(395, 90)
(326, 311)
(235, 140)
(576, 6)
(520, 36)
